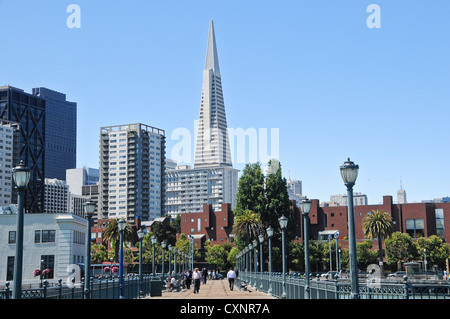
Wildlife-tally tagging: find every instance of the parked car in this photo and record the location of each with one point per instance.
(398, 274)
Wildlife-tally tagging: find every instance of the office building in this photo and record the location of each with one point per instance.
(56, 196)
(28, 111)
(294, 187)
(341, 199)
(8, 137)
(212, 180)
(212, 148)
(76, 178)
(51, 241)
(188, 190)
(60, 132)
(91, 193)
(415, 219)
(401, 195)
(132, 165)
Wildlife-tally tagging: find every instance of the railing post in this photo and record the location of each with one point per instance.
(59, 288)
(45, 289)
(7, 290)
(405, 288)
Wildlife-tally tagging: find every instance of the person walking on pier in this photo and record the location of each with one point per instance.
(231, 275)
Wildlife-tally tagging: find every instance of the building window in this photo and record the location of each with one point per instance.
(440, 228)
(415, 228)
(48, 236)
(48, 262)
(10, 268)
(37, 236)
(12, 237)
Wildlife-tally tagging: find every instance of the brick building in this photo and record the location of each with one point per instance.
(210, 225)
(416, 219)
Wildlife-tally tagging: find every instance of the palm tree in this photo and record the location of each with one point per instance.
(248, 225)
(112, 234)
(378, 225)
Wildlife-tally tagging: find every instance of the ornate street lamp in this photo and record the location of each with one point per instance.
(349, 173)
(270, 234)
(306, 208)
(141, 235)
(163, 246)
(170, 259)
(121, 224)
(21, 177)
(153, 255)
(283, 224)
(174, 261)
(261, 259)
(89, 208)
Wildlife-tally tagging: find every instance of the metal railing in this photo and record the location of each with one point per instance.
(101, 288)
(322, 288)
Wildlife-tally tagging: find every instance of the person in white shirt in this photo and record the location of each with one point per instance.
(231, 275)
(196, 275)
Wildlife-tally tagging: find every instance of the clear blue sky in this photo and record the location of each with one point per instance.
(334, 87)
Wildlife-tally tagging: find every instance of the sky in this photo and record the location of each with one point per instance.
(334, 79)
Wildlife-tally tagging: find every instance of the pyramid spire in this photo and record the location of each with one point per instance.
(212, 147)
(212, 60)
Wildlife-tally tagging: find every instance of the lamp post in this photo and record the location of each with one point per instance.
(306, 208)
(246, 259)
(330, 238)
(89, 208)
(261, 259)
(170, 259)
(122, 224)
(283, 224)
(349, 173)
(270, 234)
(336, 236)
(21, 177)
(174, 261)
(250, 248)
(425, 261)
(255, 247)
(141, 235)
(163, 246)
(153, 255)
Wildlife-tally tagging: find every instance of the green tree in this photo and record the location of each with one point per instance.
(277, 197)
(400, 247)
(437, 251)
(99, 253)
(112, 235)
(164, 232)
(251, 194)
(326, 254)
(247, 225)
(232, 256)
(217, 255)
(365, 254)
(378, 225)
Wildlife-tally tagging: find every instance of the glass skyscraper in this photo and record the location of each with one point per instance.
(60, 133)
(28, 111)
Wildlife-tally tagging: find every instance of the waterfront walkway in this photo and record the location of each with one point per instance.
(214, 289)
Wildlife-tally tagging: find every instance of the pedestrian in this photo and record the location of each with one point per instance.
(196, 275)
(231, 275)
(204, 275)
(187, 279)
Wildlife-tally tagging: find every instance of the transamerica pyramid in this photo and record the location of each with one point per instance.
(212, 146)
